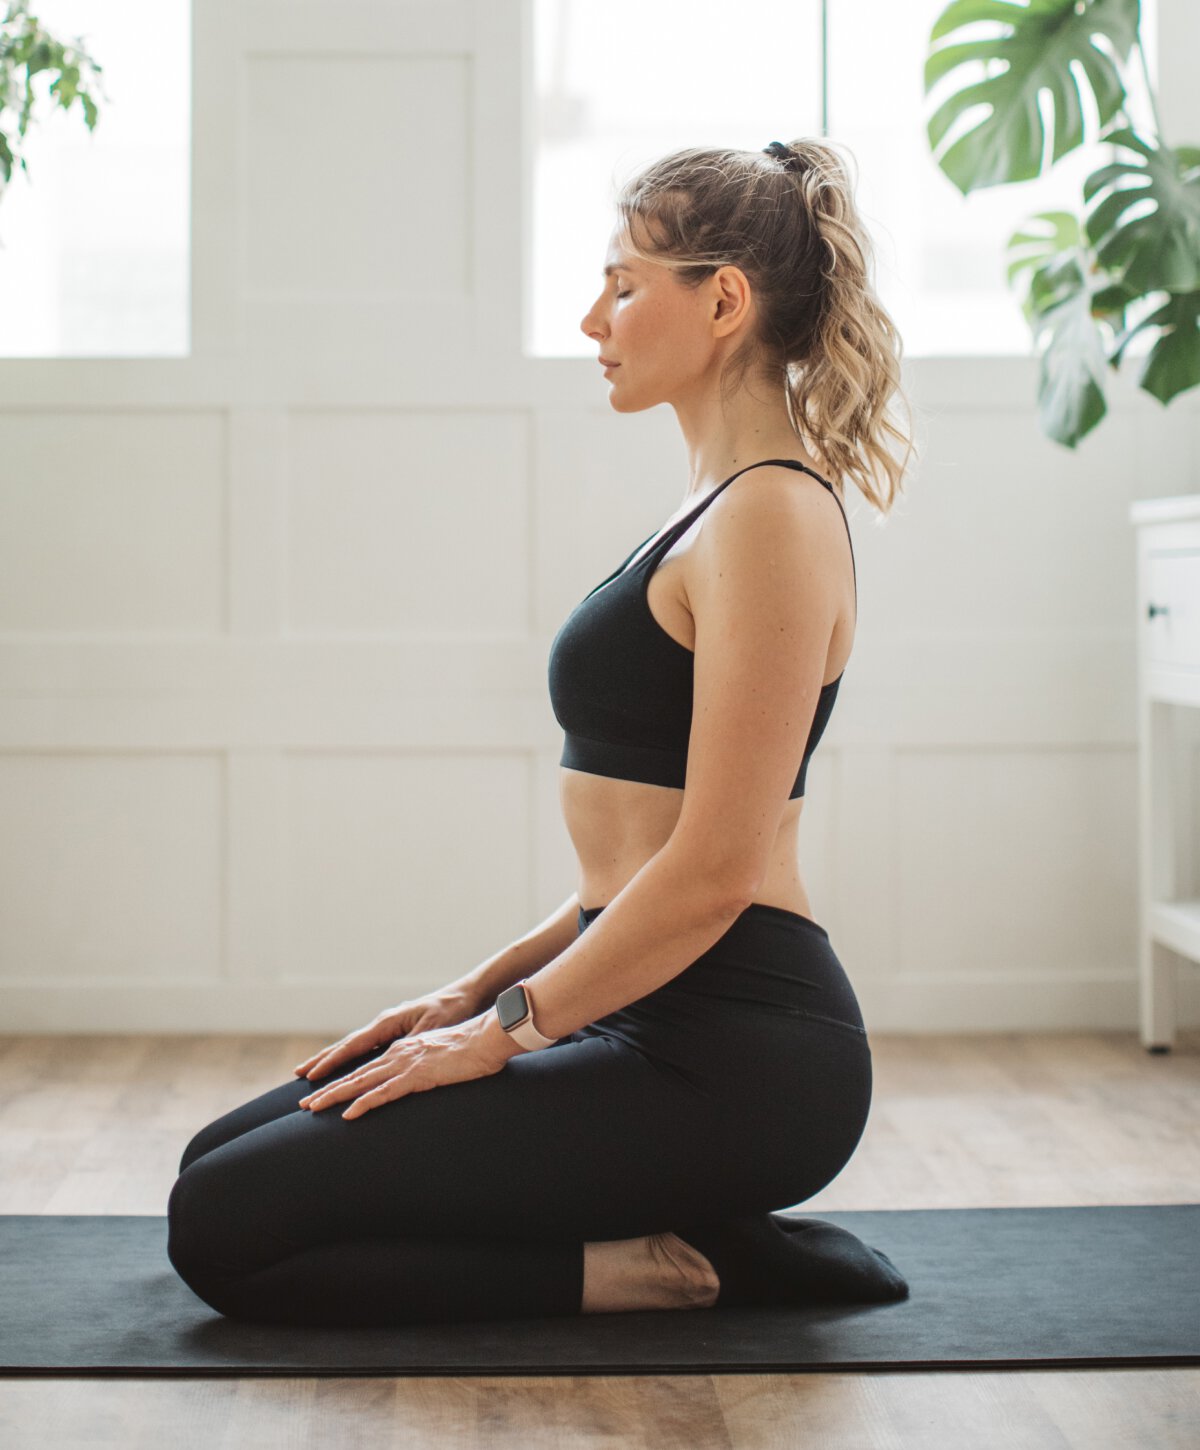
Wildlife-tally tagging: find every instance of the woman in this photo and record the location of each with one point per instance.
(603, 1115)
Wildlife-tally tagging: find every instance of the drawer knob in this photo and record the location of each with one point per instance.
(1154, 609)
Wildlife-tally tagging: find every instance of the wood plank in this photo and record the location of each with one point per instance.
(97, 1124)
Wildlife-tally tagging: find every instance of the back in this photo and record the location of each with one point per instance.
(621, 687)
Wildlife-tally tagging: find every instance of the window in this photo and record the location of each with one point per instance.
(621, 83)
(94, 239)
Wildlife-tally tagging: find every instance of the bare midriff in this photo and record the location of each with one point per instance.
(616, 826)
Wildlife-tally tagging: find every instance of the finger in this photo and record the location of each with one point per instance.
(322, 1066)
(322, 1055)
(321, 1097)
(373, 1077)
(386, 1093)
(341, 1052)
(331, 1059)
(342, 1088)
(306, 1069)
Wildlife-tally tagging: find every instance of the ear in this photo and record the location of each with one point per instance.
(731, 300)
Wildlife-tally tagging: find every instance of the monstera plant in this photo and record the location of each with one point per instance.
(1130, 262)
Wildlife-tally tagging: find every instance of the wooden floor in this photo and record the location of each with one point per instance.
(97, 1124)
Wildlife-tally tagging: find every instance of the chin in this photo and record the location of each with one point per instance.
(622, 403)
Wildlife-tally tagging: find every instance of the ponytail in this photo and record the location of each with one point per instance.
(788, 219)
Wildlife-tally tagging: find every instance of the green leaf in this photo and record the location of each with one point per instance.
(1173, 364)
(1043, 38)
(1158, 251)
(1071, 373)
(1067, 296)
(26, 47)
(1044, 246)
(1058, 232)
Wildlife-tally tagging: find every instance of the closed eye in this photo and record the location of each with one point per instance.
(622, 294)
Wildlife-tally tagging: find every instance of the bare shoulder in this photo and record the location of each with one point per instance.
(767, 550)
(778, 515)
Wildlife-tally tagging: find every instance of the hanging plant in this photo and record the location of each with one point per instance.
(25, 50)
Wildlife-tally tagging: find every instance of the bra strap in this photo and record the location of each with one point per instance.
(792, 463)
(688, 519)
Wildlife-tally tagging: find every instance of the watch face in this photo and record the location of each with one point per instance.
(512, 1006)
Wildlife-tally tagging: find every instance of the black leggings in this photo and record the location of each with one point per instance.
(741, 1086)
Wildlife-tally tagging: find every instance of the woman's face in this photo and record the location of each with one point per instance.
(659, 333)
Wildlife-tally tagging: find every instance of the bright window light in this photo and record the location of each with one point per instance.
(94, 238)
(622, 83)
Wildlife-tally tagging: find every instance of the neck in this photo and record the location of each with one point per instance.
(749, 429)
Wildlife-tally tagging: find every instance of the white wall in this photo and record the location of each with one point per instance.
(275, 742)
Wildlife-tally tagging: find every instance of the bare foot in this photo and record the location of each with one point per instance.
(659, 1271)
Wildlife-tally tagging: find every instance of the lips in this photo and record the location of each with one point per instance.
(605, 363)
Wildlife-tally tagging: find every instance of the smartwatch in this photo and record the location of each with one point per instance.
(514, 1007)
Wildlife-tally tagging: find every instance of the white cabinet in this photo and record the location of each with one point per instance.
(1168, 572)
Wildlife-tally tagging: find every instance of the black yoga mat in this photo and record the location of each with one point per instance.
(988, 1287)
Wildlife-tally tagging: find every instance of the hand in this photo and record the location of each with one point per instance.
(444, 1055)
(451, 1005)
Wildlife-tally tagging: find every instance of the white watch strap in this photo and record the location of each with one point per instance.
(530, 1038)
(525, 1034)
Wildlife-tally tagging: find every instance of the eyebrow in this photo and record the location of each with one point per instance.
(617, 267)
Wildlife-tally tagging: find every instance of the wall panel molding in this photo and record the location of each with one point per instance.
(276, 747)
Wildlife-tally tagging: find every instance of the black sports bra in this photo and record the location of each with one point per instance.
(621, 686)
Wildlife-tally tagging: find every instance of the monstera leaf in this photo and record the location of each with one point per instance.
(1044, 38)
(1068, 295)
(1137, 249)
(1154, 251)
(1173, 363)
(1051, 250)
(1071, 371)
(1159, 249)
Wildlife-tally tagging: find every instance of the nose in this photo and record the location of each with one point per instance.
(589, 327)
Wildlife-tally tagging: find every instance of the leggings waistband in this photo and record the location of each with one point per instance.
(768, 957)
(757, 910)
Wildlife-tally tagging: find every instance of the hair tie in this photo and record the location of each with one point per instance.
(791, 160)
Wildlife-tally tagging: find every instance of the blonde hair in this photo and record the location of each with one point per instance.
(792, 226)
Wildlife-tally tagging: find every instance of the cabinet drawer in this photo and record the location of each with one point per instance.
(1172, 614)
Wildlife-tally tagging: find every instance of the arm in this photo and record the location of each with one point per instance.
(471, 996)
(764, 598)
(660, 922)
(537, 947)
(764, 606)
